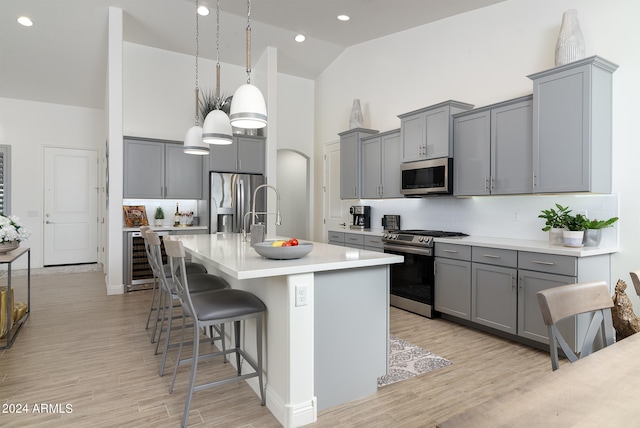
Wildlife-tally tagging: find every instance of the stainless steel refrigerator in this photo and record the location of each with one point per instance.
(231, 197)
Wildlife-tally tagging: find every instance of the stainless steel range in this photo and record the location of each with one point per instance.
(412, 282)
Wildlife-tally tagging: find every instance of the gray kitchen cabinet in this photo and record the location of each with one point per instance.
(494, 296)
(493, 149)
(157, 169)
(572, 108)
(361, 241)
(453, 280)
(354, 240)
(381, 158)
(427, 133)
(246, 155)
(336, 238)
(373, 243)
(350, 162)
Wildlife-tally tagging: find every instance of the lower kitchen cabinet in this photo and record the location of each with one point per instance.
(453, 280)
(369, 242)
(336, 238)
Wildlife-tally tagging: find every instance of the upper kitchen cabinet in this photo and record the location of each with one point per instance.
(157, 169)
(245, 155)
(492, 149)
(572, 108)
(381, 158)
(427, 133)
(350, 162)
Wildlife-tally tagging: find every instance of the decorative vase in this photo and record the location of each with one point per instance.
(570, 44)
(592, 237)
(573, 238)
(555, 236)
(5, 247)
(355, 120)
(159, 221)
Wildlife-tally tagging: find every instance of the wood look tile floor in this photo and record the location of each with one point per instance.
(84, 349)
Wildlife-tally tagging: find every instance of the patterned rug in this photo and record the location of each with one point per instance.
(408, 360)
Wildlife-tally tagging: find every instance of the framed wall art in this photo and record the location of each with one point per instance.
(135, 215)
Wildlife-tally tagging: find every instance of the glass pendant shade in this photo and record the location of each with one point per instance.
(248, 109)
(217, 128)
(193, 144)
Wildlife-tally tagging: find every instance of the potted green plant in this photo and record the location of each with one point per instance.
(593, 232)
(555, 222)
(576, 225)
(159, 216)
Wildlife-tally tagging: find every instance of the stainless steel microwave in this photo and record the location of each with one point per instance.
(428, 177)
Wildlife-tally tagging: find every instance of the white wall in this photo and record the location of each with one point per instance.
(482, 57)
(28, 127)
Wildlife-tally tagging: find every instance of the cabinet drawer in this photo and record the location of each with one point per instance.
(373, 241)
(453, 251)
(550, 263)
(336, 237)
(495, 256)
(353, 240)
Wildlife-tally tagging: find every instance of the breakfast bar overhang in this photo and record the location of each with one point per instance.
(328, 351)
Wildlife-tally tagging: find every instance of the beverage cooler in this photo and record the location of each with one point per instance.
(137, 271)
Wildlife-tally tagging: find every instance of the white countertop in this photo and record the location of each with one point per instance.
(160, 228)
(528, 245)
(236, 258)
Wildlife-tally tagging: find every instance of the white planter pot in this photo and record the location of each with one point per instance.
(573, 238)
(159, 221)
(592, 237)
(555, 236)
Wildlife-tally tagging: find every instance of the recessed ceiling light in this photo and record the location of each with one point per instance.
(300, 38)
(343, 17)
(203, 11)
(24, 20)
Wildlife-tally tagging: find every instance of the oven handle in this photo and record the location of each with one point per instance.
(408, 250)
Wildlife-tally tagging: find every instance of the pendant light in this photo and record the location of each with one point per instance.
(217, 128)
(248, 109)
(193, 144)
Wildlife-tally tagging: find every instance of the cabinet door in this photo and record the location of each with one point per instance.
(511, 149)
(471, 147)
(413, 137)
(251, 155)
(183, 173)
(391, 160)
(349, 170)
(354, 240)
(143, 169)
(437, 141)
(530, 323)
(371, 167)
(494, 297)
(561, 134)
(453, 287)
(224, 158)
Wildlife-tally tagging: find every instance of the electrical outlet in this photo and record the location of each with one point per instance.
(301, 295)
(515, 216)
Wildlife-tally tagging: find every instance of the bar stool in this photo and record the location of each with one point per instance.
(192, 267)
(210, 308)
(202, 282)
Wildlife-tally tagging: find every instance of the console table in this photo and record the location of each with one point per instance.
(8, 259)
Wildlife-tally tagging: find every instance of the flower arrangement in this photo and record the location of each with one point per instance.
(11, 229)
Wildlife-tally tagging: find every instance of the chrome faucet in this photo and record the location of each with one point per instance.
(253, 207)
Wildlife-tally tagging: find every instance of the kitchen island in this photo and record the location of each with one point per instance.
(327, 321)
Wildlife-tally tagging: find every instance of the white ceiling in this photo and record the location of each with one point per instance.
(62, 58)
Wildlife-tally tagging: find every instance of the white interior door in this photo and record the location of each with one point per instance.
(332, 204)
(70, 206)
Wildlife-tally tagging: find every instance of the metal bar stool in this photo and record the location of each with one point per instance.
(202, 282)
(210, 308)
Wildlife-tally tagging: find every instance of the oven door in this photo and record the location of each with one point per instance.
(412, 282)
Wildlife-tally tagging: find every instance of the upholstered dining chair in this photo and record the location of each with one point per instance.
(635, 278)
(201, 282)
(210, 308)
(571, 300)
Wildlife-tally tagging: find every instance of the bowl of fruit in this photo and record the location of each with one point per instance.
(283, 249)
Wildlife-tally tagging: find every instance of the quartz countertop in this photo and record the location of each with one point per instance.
(159, 228)
(238, 259)
(528, 245)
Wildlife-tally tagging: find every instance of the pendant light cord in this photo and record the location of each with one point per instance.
(248, 41)
(197, 91)
(218, 53)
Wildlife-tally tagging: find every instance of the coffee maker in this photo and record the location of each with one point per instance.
(361, 216)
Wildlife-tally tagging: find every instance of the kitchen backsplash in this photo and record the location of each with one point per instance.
(497, 216)
(168, 206)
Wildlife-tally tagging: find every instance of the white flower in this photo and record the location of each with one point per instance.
(12, 230)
